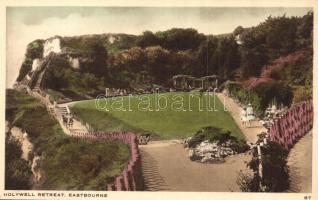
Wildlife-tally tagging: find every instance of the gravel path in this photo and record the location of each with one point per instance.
(251, 132)
(167, 167)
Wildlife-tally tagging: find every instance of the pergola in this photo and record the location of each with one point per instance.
(183, 81)
(187, 82)
(210, 81)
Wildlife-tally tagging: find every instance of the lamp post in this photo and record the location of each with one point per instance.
(260, 167)
(207, 57)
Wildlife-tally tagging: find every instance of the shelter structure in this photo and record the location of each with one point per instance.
(210, 81)
(183, 82)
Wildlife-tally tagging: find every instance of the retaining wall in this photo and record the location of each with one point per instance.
(293, 125)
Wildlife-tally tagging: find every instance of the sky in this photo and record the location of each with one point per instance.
(25, 24)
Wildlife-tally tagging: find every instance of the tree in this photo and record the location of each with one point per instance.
(226, 58)
(158, 59)
(148, 39)
(89, 81)
(98, 56)
(305, 31)
(35, 49)
(280, 35)
(238, 30)
(204, 57)
(55, 76)
(180, 39)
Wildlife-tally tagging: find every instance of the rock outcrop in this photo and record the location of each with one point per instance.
(211, 152)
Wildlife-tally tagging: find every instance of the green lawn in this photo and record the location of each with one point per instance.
(166, 124)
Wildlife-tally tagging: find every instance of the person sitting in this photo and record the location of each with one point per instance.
(144, 139)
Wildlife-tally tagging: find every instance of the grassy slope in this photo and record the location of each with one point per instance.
(68, 163)
(167, 124)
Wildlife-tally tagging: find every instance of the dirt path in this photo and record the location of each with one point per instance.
(167, 167)
(300, 165)
(235, 110)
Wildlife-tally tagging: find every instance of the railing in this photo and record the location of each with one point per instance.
(293, 125)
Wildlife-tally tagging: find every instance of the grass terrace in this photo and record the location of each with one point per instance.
(166, 116)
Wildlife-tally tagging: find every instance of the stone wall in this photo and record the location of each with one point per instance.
(293, 125)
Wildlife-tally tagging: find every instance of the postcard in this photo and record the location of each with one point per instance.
(144, 100)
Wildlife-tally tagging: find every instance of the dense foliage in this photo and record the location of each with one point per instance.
(262, 95)
(274, 170)
(60, 76)
(66, 162)
(282, 44)
(17, 170)
(277, 36)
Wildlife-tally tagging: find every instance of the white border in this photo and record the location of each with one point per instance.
(166, 3)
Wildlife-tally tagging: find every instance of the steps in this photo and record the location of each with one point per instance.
(153, 181)
(62, 111)
(52, 110)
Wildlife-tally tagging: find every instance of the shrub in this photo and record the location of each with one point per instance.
(262, 95)
(274, 170)
(302, 93)
(281, 92)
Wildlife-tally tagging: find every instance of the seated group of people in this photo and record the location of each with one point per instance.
(144, 139)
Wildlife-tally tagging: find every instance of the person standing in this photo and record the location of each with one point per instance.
(244, 116)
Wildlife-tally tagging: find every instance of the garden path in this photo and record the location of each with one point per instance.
(234, 108)
(166, 166)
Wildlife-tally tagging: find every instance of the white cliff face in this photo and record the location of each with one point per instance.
(35, 64)
(74, 62)
(238, 39)
(51, 45)
(35, 168)
(111, 39)
(26, 145)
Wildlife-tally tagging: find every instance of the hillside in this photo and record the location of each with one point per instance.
(83, 66)
(66, 162)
